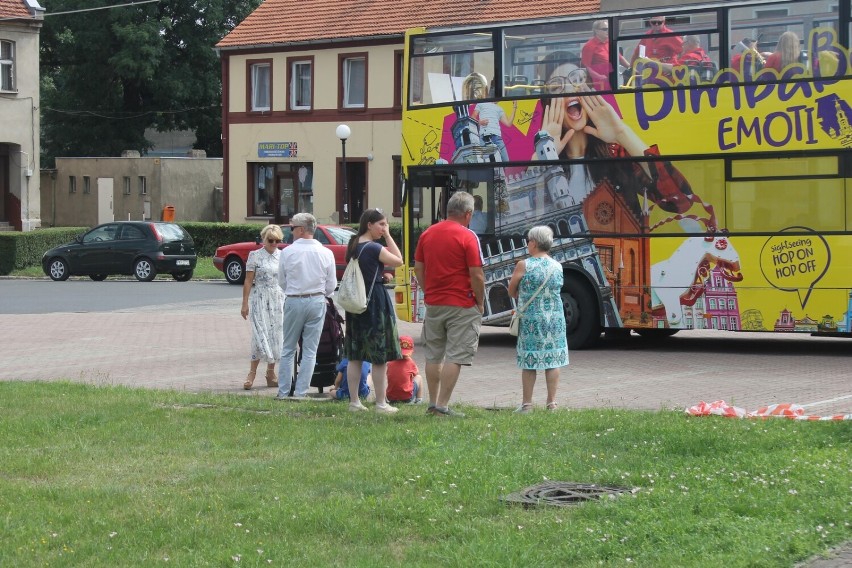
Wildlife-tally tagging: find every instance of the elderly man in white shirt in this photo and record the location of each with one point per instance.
(306, 273)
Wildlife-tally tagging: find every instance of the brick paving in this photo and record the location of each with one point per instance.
(203, 347)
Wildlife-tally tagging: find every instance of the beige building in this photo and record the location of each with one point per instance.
(89, 191)
(20, 25)
(292, 73)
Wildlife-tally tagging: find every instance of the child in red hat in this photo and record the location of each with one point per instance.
(404, 381)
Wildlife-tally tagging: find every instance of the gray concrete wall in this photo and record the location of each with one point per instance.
(188, 184)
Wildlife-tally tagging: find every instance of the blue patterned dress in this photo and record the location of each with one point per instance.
(542, 343)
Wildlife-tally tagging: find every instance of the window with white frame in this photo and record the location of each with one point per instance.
(354, 82)
(7, 65)
(143, 185)
(126, 185)
(87, 184)
(260, 87)
(301, 73)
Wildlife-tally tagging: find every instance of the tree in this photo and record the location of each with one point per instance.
(107, 75)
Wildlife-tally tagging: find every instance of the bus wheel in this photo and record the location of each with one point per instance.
(656, 334)
(582, 319)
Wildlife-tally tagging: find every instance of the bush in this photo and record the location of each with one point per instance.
(209, 236)
(20, 250)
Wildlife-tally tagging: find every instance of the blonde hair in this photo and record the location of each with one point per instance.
(273, 230)
(788, 47)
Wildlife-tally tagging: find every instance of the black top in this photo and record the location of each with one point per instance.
(368, 258)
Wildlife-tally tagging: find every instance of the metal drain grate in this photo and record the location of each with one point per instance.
(563, 494)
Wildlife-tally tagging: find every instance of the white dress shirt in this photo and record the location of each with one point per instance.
(307, 267)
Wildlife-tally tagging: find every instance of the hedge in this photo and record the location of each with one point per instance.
(20, 250)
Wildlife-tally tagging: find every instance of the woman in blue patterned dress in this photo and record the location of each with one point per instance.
(263, 298)
(372, 335)
(542, 342)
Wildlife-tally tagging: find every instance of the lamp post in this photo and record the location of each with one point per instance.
(343, 132)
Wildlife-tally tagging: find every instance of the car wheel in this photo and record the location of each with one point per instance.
(182, 276)
(58, 270)
(582, 321)
(98, 277)
(656, 333)
(235, 270)
(143, 270)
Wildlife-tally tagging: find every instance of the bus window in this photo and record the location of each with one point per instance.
(524, 47)
(770, 195)
(440, 64)
(772, 205)
(655, 45)
(775, 36)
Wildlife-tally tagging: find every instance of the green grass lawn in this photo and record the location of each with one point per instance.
(204, 270)
(116, 477)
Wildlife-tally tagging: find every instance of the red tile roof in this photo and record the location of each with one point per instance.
(308, 21)
(13, 9)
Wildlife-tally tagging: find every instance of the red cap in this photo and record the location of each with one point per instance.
(406, 344)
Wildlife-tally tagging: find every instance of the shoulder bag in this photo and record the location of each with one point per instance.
(515, 322)
(351, 294)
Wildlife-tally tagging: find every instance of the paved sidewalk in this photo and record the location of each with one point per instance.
(204, 346)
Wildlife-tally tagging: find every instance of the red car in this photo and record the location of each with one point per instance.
(231, 259)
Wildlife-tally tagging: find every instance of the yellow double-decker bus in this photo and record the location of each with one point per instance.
(693, 163)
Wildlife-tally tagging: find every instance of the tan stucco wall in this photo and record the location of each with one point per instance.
(187, 184)
(19, 117)
(317, 142)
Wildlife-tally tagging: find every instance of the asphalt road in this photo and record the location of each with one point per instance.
(37, 296)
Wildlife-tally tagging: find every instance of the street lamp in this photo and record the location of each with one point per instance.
(343, 132)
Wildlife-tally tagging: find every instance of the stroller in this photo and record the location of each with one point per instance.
(329, 350)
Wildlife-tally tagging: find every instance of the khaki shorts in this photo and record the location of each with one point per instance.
(451, 334)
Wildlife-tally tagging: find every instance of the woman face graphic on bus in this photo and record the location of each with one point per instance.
(587, 126)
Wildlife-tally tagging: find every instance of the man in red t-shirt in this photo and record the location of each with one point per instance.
(448, 265)
(663, 49)
(595, 56)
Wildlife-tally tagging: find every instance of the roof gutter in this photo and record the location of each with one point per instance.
(311, 42)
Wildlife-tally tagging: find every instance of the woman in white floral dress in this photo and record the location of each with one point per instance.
(263, 299)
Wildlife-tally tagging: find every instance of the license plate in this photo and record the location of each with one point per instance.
(182, 263)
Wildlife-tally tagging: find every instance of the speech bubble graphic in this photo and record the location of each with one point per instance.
(795, 262)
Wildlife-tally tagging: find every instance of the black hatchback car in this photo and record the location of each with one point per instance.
(140, 248)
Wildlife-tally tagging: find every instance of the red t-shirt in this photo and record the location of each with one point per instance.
(595, 58)
(773, 61)
(448, 250)
(401, 375)
(664, 49)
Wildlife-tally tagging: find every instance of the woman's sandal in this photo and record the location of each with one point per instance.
(271, 379)
(525, 408)
(249, 380)
(552, 406)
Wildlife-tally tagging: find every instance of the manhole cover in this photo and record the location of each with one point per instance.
(563, 493)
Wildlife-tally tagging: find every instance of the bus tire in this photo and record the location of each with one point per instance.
(656, 333)
(582, 314)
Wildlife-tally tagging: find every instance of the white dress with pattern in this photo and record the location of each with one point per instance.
(266, 306)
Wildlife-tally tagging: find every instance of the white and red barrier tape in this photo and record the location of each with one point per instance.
(786, 410)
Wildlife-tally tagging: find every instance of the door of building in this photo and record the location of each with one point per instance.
(352, 197)
(105, 209)
(286, 196)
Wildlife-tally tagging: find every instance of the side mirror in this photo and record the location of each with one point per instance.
(78, 239)
(258, 240)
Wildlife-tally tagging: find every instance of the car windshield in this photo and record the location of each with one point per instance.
(341, 235)
(171, 232)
